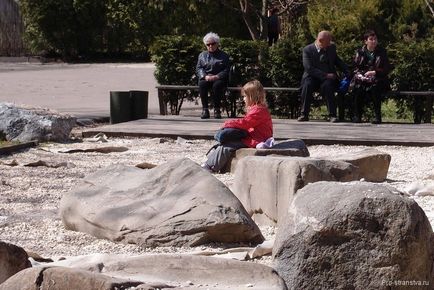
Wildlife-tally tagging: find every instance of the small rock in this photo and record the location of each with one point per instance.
(182, 141)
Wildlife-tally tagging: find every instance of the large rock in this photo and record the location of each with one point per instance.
(12, 260)
(180, 271)
(290, 147)
(354, 235)
(372, 164)
(60, 278)
(266, 186)
(26, 124)
(174, 204)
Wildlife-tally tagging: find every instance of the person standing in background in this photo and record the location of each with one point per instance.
(273, 26)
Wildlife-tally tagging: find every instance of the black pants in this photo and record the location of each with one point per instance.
(363, 96)
(326, 88)
(272, 38)
(218, 88)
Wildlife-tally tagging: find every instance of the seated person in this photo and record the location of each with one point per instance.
(254, 128)
(370, 80)
(212, 70)
(320, 61)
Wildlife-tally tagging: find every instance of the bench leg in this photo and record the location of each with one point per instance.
(233, 104)
(162, 103)
(418, 109)
(341, 107)
(428, 109)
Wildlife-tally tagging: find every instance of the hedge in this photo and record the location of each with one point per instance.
(281, 66)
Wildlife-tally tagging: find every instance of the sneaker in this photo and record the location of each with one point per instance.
(333, 120)
(207, 168)
(205, 114)
(217, 114)
(303, 118)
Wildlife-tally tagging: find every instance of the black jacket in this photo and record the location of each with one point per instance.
(317, 66)
(216, 63)
(380, 62)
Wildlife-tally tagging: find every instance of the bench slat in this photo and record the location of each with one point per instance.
(289, 89)
(429, 95)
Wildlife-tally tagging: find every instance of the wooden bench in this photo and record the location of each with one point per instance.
(163, 100)
(425, 97)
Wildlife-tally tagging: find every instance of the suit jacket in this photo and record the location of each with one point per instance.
(315, 67)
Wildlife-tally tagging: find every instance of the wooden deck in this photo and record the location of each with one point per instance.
(313, 132)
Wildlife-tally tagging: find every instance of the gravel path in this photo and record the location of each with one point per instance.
(30, 196)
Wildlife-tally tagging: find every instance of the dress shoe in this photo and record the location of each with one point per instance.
(303, 118)
(356, 120)
(205, 114)
(217, 114)
(333, 120)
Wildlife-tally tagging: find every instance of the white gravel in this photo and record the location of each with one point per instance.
(30, 196)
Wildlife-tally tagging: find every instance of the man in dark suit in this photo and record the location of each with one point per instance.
(320, 61)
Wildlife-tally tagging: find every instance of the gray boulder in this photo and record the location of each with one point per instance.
(266, 186)
(290, 147)
(180, 271)
(12, 260)
(26, 124)
(59, 278)
(372, 164)
(354, 235)
(174, 204)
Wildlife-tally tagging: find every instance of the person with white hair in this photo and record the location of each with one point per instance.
(212, 70)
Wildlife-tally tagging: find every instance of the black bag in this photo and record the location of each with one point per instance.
(226, 135)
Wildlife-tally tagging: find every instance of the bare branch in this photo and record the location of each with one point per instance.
(429, 6)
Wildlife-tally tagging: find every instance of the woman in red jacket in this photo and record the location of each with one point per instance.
(254, 128)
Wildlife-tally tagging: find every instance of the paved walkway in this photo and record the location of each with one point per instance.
(313, 132)
(79, 89)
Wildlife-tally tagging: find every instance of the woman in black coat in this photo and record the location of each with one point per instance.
(370, 81)
(212, 70)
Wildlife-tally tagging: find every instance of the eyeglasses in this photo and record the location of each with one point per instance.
(211, 44)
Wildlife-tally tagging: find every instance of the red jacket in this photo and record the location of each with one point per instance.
(257, 122)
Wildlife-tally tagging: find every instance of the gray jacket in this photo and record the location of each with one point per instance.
(216, 63)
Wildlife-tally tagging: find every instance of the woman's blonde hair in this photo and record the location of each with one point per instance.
(254, 92)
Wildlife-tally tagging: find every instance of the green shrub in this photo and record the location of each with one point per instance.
(284, 68)
(175, 59)
(245, 57)
(68, 28)
(414, 71)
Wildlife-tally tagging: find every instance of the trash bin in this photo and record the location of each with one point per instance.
(128, 105)
(120, 107)
(139, 101)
